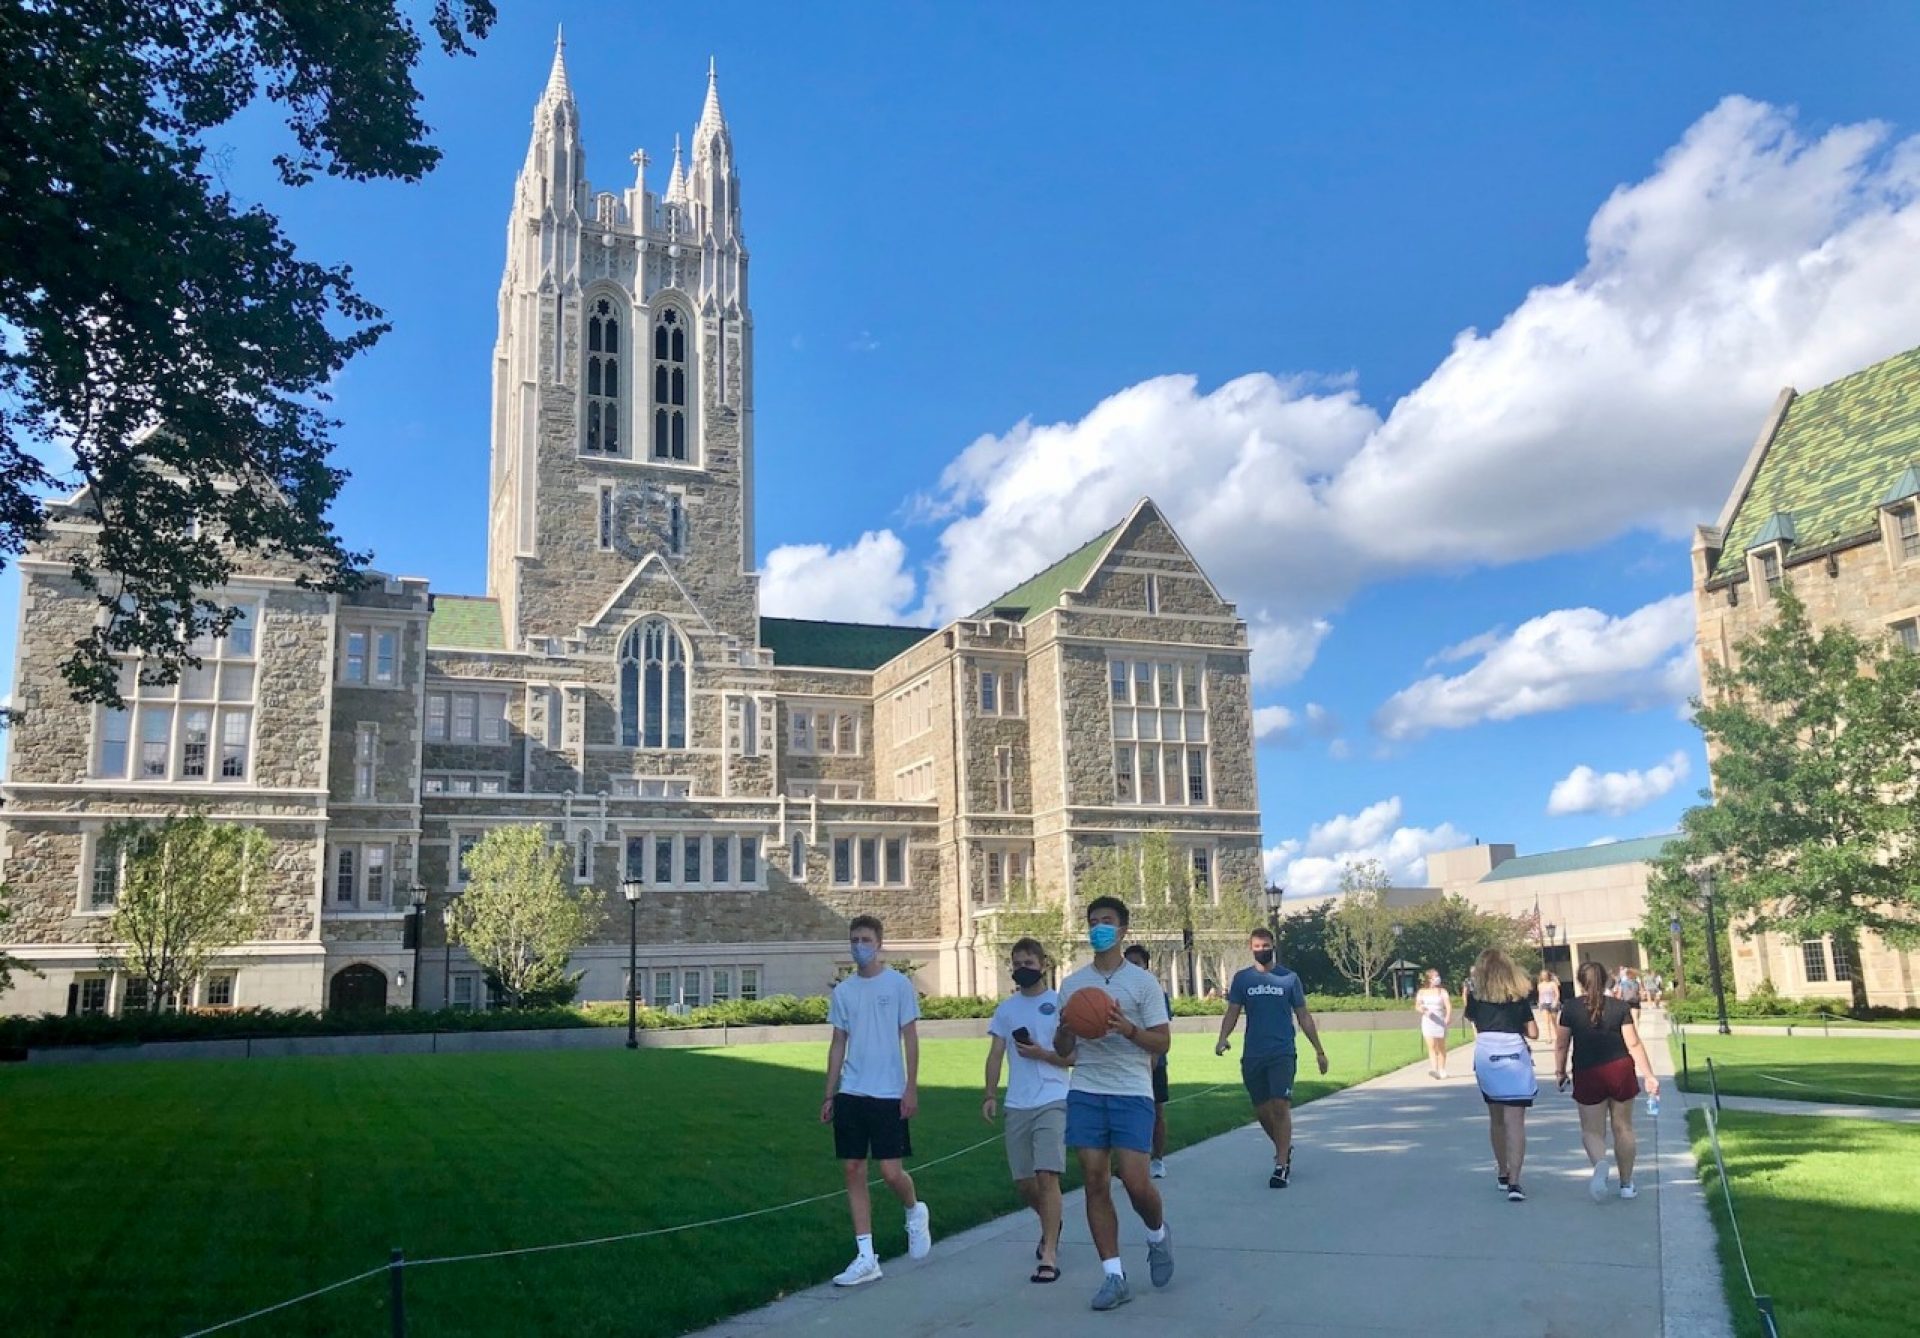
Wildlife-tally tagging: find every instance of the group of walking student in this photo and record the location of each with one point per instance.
(1090, 1076)
(1085, 1069)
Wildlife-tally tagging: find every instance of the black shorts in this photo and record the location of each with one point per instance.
(1270, 1078)
(869, 1126)
(1159, 1084)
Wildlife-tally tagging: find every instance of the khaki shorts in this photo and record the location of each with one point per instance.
(1037, 1140)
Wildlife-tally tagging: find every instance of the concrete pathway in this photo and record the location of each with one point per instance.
(1768, 1105)
(1392, 1225)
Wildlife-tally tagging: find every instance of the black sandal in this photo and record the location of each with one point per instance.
(1045, 1273)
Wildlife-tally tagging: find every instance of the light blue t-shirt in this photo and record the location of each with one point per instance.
(871, 1010)
(1268, 998)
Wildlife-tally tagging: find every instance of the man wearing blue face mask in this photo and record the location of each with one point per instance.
(1110, 1100)
(872, 1094)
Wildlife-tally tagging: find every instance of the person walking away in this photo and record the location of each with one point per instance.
(1607, 1054)
(1273, 1000)
(1435, 1007)
(1036, 1128)
(1110, 1099)
(1547, 994)
(1157, 1164)
(1501, 1011)
(873, 1091)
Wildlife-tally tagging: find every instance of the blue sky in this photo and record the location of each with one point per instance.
(1432, 329)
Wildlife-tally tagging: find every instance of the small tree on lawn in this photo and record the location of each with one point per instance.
(519, 918)
(1814, 824)
(1170, 910)
(1028, 912)
(1359, 934)
(189, 890)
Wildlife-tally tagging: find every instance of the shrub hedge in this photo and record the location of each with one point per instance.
(1780, 1008)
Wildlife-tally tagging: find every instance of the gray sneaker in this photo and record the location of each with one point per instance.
(1160, 1259)
(1113, 1292)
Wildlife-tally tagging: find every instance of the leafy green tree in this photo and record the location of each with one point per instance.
(1359, 936)
(1169, 913)
(1667, 897)
(166, 349)
(1030, 912)
(1303, 950)
(190, 889)
(1814, 824)
(519, 918)
(9, 963)
(1448, 934)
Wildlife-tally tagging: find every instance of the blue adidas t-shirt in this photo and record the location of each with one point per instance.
(1268, 998)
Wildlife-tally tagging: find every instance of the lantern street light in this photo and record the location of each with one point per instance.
(419, 932)
(632, 889)
(1274, 897)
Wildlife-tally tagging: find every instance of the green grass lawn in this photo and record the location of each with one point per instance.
(1829, 1210)
(1855, 1070)
(157, 1198)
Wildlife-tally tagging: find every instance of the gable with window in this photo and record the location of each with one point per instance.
(198, 729)
(653, 686)
(1160, 735)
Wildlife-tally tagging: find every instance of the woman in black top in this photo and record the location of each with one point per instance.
(1500, 1006)
(1606, 1053)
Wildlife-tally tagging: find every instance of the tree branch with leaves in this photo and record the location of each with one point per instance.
(519, 918)
(190, 889)
(1359, 929)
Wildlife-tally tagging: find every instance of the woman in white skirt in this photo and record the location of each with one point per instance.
(1435, 1007)
(1500, 1008)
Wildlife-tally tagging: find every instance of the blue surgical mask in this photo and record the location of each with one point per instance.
(863, 953)
(1103, 937)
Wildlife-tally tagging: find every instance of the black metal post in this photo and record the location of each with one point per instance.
(419, 932)
(446, 967)
(397, 1292)
(1679, 966)
(1713, 961)
(633, 974)
(1186, 942)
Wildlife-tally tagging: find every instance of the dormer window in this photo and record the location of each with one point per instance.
(1905, 520)
(1768, 563)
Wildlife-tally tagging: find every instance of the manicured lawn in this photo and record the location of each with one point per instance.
(158, 1198)
(1855, 1070)
(1829, 1210)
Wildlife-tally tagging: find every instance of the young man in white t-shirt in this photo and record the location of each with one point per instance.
(1036, 1133)
(1110, 1100)
(872, 1094)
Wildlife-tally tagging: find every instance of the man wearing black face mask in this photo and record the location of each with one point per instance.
(1036, 1136)
(1273, 1000)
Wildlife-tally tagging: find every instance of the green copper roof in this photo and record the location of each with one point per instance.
(823, 645)
(1907, 485)
(467, 622)
(1833, 458)
(1037, 594)
(1583, 857)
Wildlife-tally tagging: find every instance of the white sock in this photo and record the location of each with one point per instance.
(864, 1244)
(1113, 1269)
(1158, 1234)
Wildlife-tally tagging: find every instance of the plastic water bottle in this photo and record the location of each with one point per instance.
(1653, 1103)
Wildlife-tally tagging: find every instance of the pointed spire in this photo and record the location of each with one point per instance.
(557, 87)
(677, 181)
(713, 124)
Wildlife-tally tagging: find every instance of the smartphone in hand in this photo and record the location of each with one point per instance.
(1022, 1035)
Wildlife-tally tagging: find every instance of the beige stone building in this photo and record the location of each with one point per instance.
(765, 778)
(1829, 499)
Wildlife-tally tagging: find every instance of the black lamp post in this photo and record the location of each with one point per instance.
(1274, 898)
(419, 931)
(446, 968)
(1679, 969)
(631, 889)
(1713, 953)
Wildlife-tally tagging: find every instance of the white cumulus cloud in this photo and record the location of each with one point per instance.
(867, 581)
(1289, 729)
(1616, 793)
(1312, 865)
(1570, 657)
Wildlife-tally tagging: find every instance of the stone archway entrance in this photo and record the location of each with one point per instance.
(358, 987)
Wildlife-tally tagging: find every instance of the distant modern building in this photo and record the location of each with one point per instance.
(764, 778)
(1590, 899)
(1829, 499)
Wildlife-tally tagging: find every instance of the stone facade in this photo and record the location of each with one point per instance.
(763, 779)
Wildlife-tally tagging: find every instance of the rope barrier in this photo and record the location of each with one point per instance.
(1763, 1304)
(1820, 1087)
(282, 1305)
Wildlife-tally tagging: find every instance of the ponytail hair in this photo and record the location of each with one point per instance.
(1593, 987)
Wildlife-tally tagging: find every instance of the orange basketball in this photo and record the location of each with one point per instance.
(1085, 1012)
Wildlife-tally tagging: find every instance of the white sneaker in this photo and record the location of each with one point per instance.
(1158, 1168)
(864, 1268)
(1629, 1192)
(919, 1232)
(1597, 1182)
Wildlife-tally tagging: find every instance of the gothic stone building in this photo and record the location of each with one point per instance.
(765, 777)
(1828, 500)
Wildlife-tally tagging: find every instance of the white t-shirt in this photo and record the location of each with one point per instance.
(1031, 1083)
(871, 1010)
(1114, 1065)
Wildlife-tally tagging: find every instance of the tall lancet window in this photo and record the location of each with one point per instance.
(670, 385)
(653, 686)
(603, 379)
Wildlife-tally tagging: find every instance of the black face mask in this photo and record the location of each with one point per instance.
(1264, 956)
(1026, 977)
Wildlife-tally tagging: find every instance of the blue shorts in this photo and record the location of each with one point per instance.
(1096, 1121)
(1270, 1078)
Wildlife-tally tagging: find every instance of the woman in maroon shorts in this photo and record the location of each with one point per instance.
(1606, 1054)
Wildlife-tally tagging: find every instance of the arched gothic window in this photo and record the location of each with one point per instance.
(670, 385)
(603, 379)
(653, 686)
